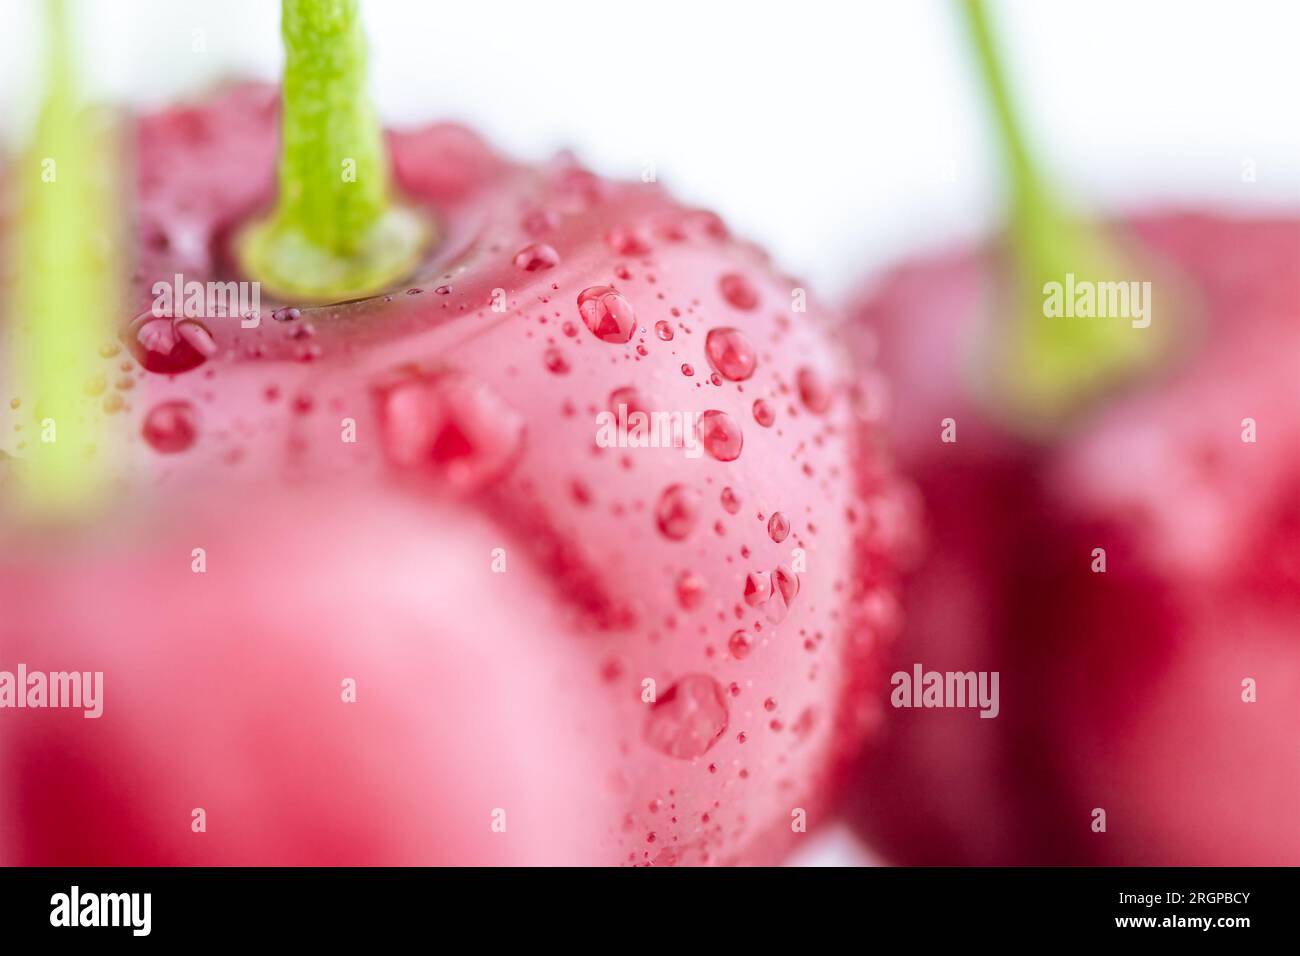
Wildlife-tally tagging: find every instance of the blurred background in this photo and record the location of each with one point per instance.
(840, 138)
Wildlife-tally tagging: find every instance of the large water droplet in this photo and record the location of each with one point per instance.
(740, 644)
(720, 435)
(536, 257)
(169, 346)
(763, 413)
(677, 512)
(607, 314)
(626, 241)
(813, 391)
(690, 590)
(629, 398)
(785, 582)
(688, 718)
(730, 353)
(171, 427)
(450, 425)
(757, 589)
(778, 526)
(738, 291)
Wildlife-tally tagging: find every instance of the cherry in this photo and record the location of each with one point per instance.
(1127, 685)
(351, 466)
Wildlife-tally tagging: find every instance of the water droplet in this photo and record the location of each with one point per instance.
(778, 527)
(688, 718)
(720, 435)
(730, 502)
(628, 396)
(664, 331)
(730, 353)
(555, 361)
(740, 644)
(450, 425)
(738, 291)
(170, 427)
(785, 582)
(687, 370)
(536, 257)
(627, 242)
(757, 589)
(285, 315)
(690, 590)
(763, 413)
(607, 314)
(677, 512)
(169, 346)
(813, 391)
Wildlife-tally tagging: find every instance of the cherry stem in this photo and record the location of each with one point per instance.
(1047, 368)
(65, 286)
(336, 232)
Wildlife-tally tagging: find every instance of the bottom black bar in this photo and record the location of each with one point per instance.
(239, 905)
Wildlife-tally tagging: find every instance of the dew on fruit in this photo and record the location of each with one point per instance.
(763, 413)
(740, 644)
(720, 435)
(536, 257)
(555, 361)
(169, 346)
(285, 315)
(664, 331)
(690, 590)
(170, 427)
(757, 589)
(628, 397)
(778, 527)
(730, 353)
(688, 718)
(730, 501)
(785, 582)
(738, 291)
(625, 241)
(607, 314)
(677, 512)
(813, 391)
(450, 426)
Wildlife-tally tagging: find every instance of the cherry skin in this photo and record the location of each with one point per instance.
(1120, 690)
(477, 388)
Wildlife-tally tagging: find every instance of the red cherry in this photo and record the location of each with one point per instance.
(471, 396)
(1128, 682)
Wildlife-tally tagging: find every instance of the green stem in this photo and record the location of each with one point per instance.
(65, 286)
(335, 232)
(1046, 368)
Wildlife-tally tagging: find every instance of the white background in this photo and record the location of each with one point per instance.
(840, 134)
